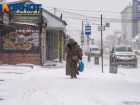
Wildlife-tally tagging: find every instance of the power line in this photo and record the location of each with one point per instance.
(107, 19)
(116, 21)
(87, 10)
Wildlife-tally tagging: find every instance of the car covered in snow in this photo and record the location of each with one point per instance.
(123, 55)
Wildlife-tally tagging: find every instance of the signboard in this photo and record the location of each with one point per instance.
(87, 30)
(27, 16)
(20, 7)
(92, 41)
(24, 39)
(44, 21)
(101, 28)
(4, 17)
(31, 13)
(82, 38)
(137, 42)
(107, 24)
(30, 19)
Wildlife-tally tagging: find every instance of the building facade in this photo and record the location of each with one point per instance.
(126, 25)
(33, 43)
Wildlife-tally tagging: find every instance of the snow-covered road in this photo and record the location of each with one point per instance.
(50, 86)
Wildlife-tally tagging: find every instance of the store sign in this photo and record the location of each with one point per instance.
(20, 7)
(28, 16)
(31, 19)
(25, 12)
(25, 39)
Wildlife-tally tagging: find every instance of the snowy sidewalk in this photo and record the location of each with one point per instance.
(50, 86)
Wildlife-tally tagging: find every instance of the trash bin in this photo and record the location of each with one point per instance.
(113, 68)
(96, 61)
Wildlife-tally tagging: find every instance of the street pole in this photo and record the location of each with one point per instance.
(61, 15)
(82, 34)
(88, 45)
(101, 45)
(54, 11)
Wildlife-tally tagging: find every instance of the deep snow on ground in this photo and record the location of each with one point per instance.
(50, 86)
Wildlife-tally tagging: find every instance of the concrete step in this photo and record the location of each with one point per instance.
(25, 65)
(49, 64)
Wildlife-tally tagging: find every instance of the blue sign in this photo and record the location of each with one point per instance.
(92, 41)
(87, 30)
(82, 38)
(137, 44)
(137, 41)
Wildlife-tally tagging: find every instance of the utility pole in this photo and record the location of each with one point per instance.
(61, 15)
(88, 45)
(101, 45)
(54, 11)
(82, 34)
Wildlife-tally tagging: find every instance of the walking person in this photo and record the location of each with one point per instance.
(73, 55)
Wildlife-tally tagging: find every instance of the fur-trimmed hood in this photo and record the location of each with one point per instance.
(70, 44)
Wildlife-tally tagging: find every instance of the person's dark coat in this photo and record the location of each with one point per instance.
(72, 49)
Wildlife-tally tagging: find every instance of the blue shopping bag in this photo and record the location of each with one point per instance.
(81, 66)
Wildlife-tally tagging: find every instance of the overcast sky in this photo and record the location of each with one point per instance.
(108, 8)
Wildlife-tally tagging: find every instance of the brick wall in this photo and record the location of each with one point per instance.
(16, 58)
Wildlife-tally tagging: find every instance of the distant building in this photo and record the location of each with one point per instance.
(111, 39)
(108, 43)
(126, 25)
(116, 36)
(130, 22)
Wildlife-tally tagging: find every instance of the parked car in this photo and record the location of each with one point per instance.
(137, 52)
(94, 51)
(123, 55)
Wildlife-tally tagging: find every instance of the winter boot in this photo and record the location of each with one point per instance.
(75, 76)
(71, 76)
